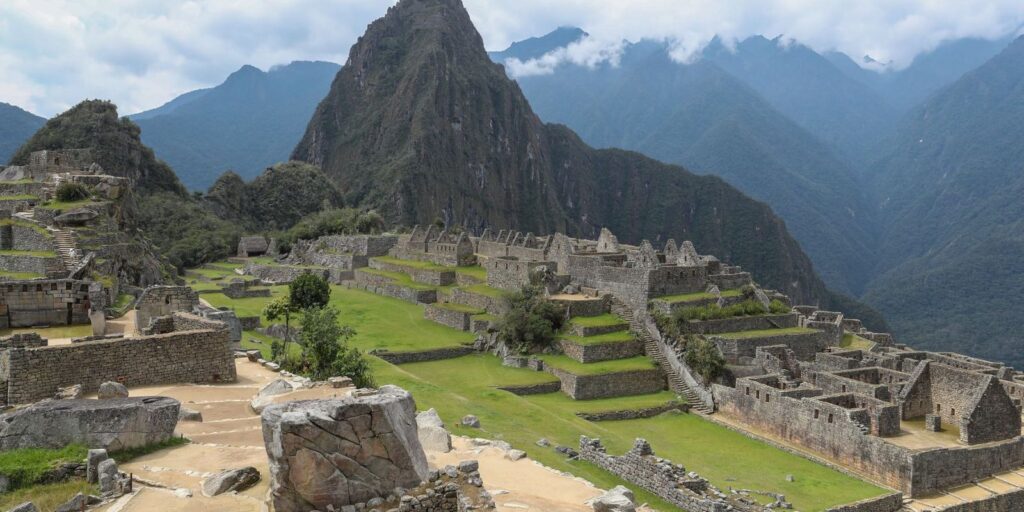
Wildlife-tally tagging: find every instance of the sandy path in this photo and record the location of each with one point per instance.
(230, 437)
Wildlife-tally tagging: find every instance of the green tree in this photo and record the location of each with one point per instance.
(309, 291)
(531, 321)
(68, 192)
(281, 308)
(703, 356)
(326, 350)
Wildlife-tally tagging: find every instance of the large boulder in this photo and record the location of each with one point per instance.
(76, 217)
(619, 499)
(113, 424)
(231, 480)
(111, 389)
(338, 452)
(432, 433)
(266, 394)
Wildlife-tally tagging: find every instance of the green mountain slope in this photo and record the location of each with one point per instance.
(421, 124)
(16, 126)
(951, 189)
(246, 124)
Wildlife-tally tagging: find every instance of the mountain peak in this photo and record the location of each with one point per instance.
(536, 47)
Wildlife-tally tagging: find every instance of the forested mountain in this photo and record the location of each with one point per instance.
(536, 47)
(420, 124)
(114, 142)
(16, 126)
(951, 191)
(702, 117)
(245, 124)
(844, 113)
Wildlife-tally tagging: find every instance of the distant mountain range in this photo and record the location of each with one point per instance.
(16, 126)
(246, 124)
(902, 185)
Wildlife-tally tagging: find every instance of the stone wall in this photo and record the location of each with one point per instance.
(880, 383)
(452, 318)
(163, 301)
(632, 414)
(826, 429)
(944, 468)
(23, 340)
(282, 274)
(887, 503)
(609, 385)
(202, 356)
(805, 346)
(731, 280)
(384, 286)
(421, 356)
(743, 323)
(586, 331)
(28, 238)
(250, 323)
(44, 302)
(594, 352)
(42, 265)
(533, 389)
(511, 274)
(1010, 501)
(668, 481)
(593, 306)
(492, 305)
(419, 275)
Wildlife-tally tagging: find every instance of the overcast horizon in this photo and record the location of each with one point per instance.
(141, 55)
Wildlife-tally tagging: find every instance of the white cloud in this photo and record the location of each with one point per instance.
(140, 54)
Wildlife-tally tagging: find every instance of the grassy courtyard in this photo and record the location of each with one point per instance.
(468, 385)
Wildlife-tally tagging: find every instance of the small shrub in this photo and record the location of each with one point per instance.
(531, 321)
(325, 349)
(69, 192)
(704, 358)
(777, 307)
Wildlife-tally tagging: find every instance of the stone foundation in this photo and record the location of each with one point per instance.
(595, 352)
(609, 385)
(460, 320)
(421, 356)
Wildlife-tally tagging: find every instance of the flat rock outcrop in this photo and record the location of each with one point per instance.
(344, 451)
(111, 424)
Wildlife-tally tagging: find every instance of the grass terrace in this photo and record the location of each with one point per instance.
(563, 362)
(611, 337)
(475, 271)
(35, 254)
(398, 278)
(854, 342)
(25, 224)
(789, 331)
(604, 320)
(62, 205)
(20, 197)
(697, 297)
(19, 276)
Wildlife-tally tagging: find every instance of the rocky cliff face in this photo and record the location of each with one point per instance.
(420, 124)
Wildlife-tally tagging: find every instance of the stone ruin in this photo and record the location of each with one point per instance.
(252, 246)
(360, 453)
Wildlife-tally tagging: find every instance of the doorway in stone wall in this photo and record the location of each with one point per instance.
(70, 313)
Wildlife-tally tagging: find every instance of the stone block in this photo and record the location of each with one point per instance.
(933, 423)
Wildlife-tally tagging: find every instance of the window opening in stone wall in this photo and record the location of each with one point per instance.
(816, 414)
(830, 418)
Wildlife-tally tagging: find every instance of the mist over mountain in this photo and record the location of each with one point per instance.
(16, 126)
(420, 124)
(246, 124)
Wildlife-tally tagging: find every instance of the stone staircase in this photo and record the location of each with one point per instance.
(67, 249)
(654, 351)
(29, 215)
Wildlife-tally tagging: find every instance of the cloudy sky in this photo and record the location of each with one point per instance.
(142, 53)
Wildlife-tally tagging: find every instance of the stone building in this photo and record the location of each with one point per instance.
(252, 246)
(160, 301)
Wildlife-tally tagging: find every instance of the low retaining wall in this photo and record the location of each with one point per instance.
(419, 275)
(250, 323)
(743, 323)
(201, 356)
(422, 356)
(888, 503)
(592, 353)
(596, 330)
(633, 414)
(804, 346)
(668, 308)
(533, 389)
(25, 263)
(1000, 503)
(591, 306)
(387, 288)
(455, 319)
(280, 274)
(609, 385)
(494, 306)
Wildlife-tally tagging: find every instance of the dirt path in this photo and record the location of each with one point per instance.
(230, 437)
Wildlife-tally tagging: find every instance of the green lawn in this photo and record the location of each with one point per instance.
(47, 497)
(765, 332)
(697, 297)
(574, 367)
(854, 342)
(36, 254)
(380, 322)
(60, 205)
(26, 224)
(20, 276)
(457, 387)
(485, 316)
(20, 197)
(598, 321)
(611, 337)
